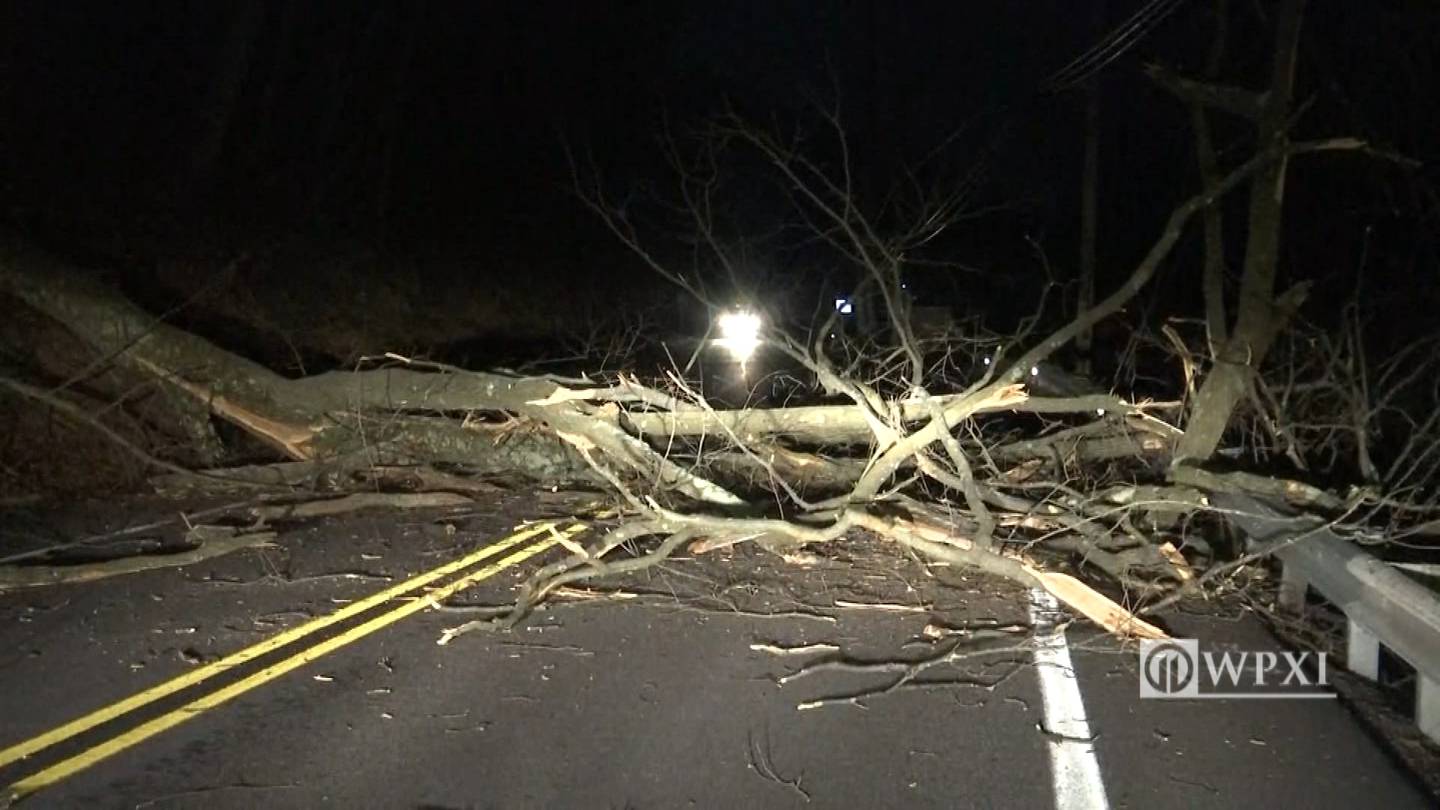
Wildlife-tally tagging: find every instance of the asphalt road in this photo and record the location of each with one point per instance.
(647, 703)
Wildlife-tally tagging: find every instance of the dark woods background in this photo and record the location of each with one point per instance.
(316, 181)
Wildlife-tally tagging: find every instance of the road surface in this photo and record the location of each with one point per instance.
(671, 699)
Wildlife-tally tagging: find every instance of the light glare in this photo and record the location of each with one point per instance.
(739, 333)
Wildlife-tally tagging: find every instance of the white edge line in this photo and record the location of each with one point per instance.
(1074, 768)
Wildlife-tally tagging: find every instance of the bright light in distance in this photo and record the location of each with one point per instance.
(739, 333)
(740, 324)
(843, 306)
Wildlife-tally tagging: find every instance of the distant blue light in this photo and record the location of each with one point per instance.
(843, 306)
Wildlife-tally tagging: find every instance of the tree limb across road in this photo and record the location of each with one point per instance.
(960, 465)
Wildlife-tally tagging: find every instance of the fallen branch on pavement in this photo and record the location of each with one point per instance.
(208, 542)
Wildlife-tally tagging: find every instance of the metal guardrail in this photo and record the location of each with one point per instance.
(1382, 606)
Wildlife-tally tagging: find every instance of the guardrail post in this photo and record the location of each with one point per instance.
(1362, 650)
(1427, 706)
(1381, 604)
(1293, 586)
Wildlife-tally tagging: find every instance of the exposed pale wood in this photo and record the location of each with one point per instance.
(1182, 567)
(1095, 606)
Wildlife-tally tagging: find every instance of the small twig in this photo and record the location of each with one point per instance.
(206, 791)
(760, 763)
(907, 672)
(802, 649)
(883, 606)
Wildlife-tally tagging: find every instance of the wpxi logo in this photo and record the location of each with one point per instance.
(1179, 669)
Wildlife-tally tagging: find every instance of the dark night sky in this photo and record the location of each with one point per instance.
(428, 128)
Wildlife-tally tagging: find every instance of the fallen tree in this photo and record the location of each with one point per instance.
(971, 471)
(682, 469)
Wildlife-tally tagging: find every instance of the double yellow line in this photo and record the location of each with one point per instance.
(128, 739)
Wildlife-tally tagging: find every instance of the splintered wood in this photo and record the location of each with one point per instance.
(1095, 606)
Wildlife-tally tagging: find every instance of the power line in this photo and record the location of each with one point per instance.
(1112, 47)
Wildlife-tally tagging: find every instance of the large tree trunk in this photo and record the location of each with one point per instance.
(1261, 316)
(400, 412)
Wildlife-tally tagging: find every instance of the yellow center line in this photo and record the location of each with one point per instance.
(169, 720)
(104, 715)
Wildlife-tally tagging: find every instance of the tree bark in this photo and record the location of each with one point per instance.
(1217, 326)
(1259, 314)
